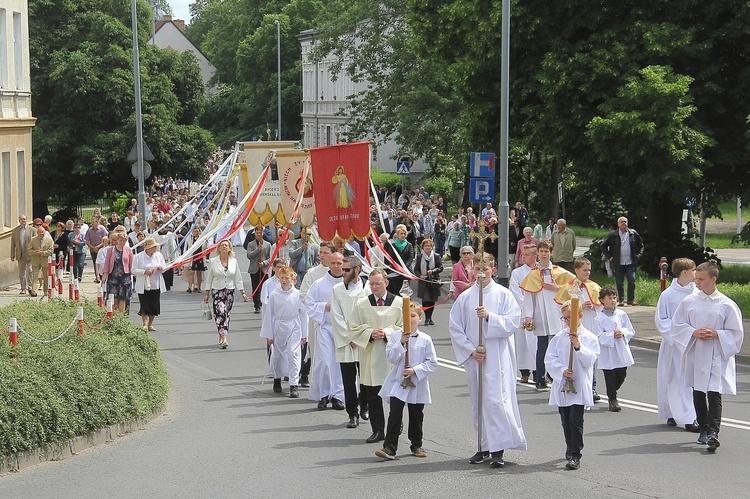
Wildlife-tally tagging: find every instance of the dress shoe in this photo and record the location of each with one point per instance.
(257, 310)
(189, 290)
(353, 422)
(293, 392)
(277, 385)
(376, 436)
(323, 403)
(304, 382)
(337, 404)
(573, 464)
(612, 406)
(496, 461)
(32, 294)
(693, 427)
(597, 397)
(365, 415)
(671, 422)
(621, 304)
(541, 386)
(633, 303)
(525, 378)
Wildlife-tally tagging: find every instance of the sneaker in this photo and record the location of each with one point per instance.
(573, 464)
(277, 385)
(712, 442)
(386, 453)
(497, 460)
(479, 457)
(418, 452)
(293, 392)
(703, 437)
(304, 382)
(541, 386)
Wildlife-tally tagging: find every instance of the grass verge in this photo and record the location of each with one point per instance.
(55, 391)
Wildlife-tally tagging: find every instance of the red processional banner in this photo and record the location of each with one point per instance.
(341, 180)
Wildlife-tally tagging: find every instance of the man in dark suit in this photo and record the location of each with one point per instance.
(623, 247)
(259, 256)
(19, 242)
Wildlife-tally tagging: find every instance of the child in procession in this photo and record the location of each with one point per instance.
(422, 362)
(285, 328)
(615, 332)
(571, 405)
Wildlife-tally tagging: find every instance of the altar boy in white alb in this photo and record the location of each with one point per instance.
(422, 363)
(285, 329)
(674, 399)
(707, 327)
(571, 405)
(500, 316)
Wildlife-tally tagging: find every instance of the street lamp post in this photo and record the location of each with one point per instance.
(278, 72)
(138, 118)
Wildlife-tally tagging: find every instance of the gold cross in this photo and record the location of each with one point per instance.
(481, 235)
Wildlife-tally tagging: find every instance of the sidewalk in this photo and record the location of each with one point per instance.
(87, 289)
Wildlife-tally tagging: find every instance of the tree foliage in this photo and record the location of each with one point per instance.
(82, 78)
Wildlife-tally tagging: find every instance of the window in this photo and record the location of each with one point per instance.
(3, 50)
(18, 50)
(7, 190)
(21, 179)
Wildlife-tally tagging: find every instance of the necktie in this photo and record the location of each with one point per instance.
(380, 302)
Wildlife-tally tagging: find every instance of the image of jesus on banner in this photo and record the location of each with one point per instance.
(342, 192)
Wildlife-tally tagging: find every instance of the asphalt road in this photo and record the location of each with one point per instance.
(226, 434)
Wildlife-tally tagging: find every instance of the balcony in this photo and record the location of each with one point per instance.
(15, 104)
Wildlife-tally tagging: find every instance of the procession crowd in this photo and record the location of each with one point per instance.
(367, 346)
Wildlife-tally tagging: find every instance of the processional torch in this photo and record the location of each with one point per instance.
(575, 299)
(481, 235)
(406, 293)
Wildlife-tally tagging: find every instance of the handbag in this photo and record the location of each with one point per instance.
(207, 314)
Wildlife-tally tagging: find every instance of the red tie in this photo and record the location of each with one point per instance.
(380, 302)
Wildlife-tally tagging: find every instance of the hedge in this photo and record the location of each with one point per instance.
(55, 391)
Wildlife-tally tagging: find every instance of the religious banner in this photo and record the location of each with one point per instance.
(296, 185)
(251, 159)
(341, 176)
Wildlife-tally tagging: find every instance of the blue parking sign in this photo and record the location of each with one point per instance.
(481, 190)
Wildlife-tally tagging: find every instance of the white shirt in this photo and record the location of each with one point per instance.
(625, 257)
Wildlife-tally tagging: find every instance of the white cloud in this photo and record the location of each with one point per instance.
(181, 9)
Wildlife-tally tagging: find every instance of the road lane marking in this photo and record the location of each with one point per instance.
(630, 404)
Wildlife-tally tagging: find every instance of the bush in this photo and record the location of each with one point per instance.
(59, 390)
(744, 236)
(390, 180)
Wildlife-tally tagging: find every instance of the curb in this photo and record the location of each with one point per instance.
(655, 343)
(71, 447)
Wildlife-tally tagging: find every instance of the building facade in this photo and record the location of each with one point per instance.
(326, 108)
(16, 123)
(169, 34)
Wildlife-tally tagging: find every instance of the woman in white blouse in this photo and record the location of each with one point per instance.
(148, 266)
(223, 277)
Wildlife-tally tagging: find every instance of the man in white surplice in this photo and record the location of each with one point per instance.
(525, 343)
(312, 275)
(500, 316)
(707, 328)
(674, 399)
(345, 295)
(327, 385)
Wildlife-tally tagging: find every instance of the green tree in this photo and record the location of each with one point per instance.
(82, 77)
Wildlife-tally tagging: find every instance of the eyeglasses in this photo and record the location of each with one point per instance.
(466, 252)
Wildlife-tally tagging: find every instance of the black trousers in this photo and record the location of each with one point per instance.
(707, 409)
(572, 424)
(304, 372)
(354, 403)
(375, 405)
(168, 278)
(396, 416)
(541, 350)
(613, 379)
(256, 281)
(429, 307)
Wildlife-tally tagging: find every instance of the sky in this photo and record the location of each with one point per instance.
(181, 9)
